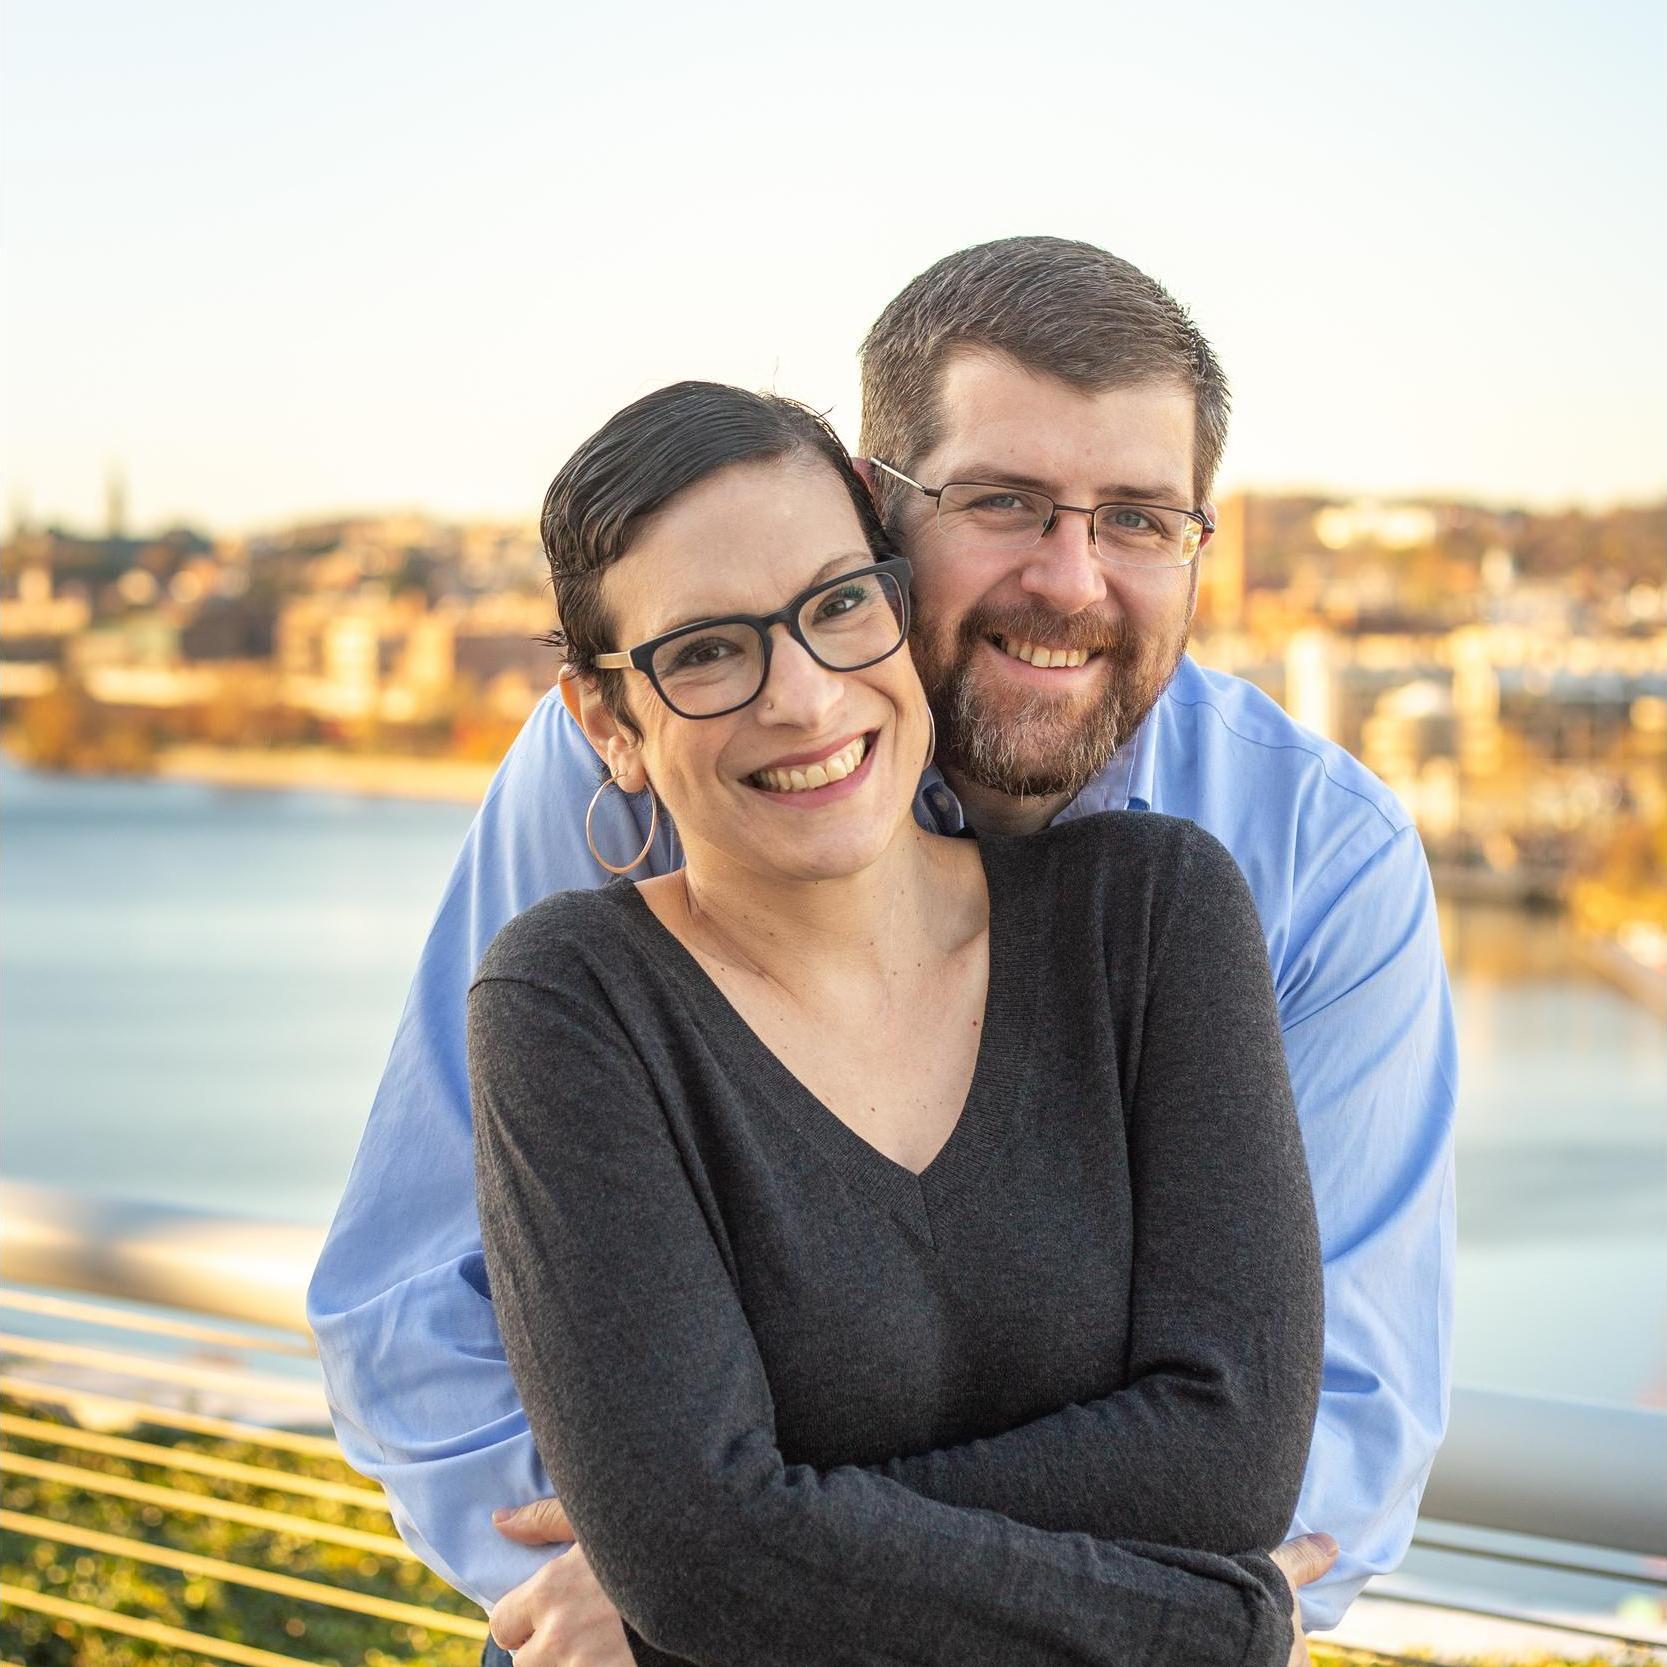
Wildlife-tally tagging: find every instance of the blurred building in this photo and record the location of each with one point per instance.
(1505, 672)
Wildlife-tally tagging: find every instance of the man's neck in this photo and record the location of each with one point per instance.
(989, 811)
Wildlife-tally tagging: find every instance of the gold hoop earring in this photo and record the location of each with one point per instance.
(932, 744)
(653, 824)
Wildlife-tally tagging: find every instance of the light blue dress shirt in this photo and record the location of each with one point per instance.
(422, 1398)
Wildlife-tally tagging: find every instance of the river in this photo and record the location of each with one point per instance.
(198, 987)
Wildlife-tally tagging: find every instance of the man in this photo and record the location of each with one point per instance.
(1069, 399)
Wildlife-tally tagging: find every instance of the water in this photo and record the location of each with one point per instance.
(198, 988)
(1562, 1167)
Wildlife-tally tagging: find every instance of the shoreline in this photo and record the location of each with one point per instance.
(319, 769)
(464, 782)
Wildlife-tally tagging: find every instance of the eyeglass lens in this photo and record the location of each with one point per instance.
(1006, 518)
(848, 623)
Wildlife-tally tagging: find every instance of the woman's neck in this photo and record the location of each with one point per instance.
(920, 898)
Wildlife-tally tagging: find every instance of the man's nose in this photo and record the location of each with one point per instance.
(1063, 570)
(798, 691)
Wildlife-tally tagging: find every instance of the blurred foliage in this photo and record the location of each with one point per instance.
(310, 1632)
(1624, 880)
(1324, 1657)
(65, 729)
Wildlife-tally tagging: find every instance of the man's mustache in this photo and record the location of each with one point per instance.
(1093, 634)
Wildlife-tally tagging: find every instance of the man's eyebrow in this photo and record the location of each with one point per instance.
(834, 563)
(989, 474)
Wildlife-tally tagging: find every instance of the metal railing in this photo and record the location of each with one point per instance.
(199, 1389)
(1569, 1488)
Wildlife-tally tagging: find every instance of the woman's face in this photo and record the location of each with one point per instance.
(747, 540)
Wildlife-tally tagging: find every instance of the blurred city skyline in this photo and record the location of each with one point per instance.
(367, 258)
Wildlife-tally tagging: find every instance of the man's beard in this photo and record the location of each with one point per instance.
(1029, 743)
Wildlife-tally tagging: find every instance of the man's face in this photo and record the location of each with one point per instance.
(1003, 722)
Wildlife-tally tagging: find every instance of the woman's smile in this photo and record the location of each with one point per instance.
(819, 777)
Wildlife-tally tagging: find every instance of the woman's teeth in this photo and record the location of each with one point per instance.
(1036, 655)
(802, 777)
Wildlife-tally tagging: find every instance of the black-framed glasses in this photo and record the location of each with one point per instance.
(988, 515)
(714, 666)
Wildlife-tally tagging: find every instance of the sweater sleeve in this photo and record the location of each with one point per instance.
(648, 1402)
(1206, 1444)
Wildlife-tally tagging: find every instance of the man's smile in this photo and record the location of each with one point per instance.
(1041, 655)
(1040, 665)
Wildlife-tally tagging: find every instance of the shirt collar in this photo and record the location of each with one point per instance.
(1128, 782)
(936, 806)
(1124, 784)
(1141, 792)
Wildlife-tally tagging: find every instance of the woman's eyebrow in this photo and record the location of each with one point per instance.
(843, 558)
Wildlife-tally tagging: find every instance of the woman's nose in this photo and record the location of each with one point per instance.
(798, 690)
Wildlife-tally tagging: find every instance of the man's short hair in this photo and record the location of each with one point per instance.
(1056, 307)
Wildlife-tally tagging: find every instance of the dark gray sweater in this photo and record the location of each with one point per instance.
(1049, 1402)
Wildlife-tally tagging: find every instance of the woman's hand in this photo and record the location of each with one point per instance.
(1301, 1560)
(560, 1617)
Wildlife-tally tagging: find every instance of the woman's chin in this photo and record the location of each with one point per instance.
(817, 835)
(831, 846)
(830, 854)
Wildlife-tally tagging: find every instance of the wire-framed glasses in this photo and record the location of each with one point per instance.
(714, 666)
(987, 515)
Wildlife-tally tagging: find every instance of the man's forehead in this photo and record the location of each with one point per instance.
(1035, 429)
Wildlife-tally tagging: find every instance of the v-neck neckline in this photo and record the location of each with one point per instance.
(983, 1126)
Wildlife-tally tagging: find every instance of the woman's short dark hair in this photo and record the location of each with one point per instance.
(635, 463)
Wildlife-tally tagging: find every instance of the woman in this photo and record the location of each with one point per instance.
(902, 1244)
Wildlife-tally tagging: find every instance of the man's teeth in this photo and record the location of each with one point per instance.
(802, 777)
(1037, 655)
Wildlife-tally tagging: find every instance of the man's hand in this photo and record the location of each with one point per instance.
(560, 1617)
(1301, 1560)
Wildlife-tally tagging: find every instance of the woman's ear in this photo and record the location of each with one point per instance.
(618, 747)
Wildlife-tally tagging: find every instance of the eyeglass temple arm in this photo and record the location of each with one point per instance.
(897, 474)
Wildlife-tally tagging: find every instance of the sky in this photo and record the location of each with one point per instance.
(273, 262)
